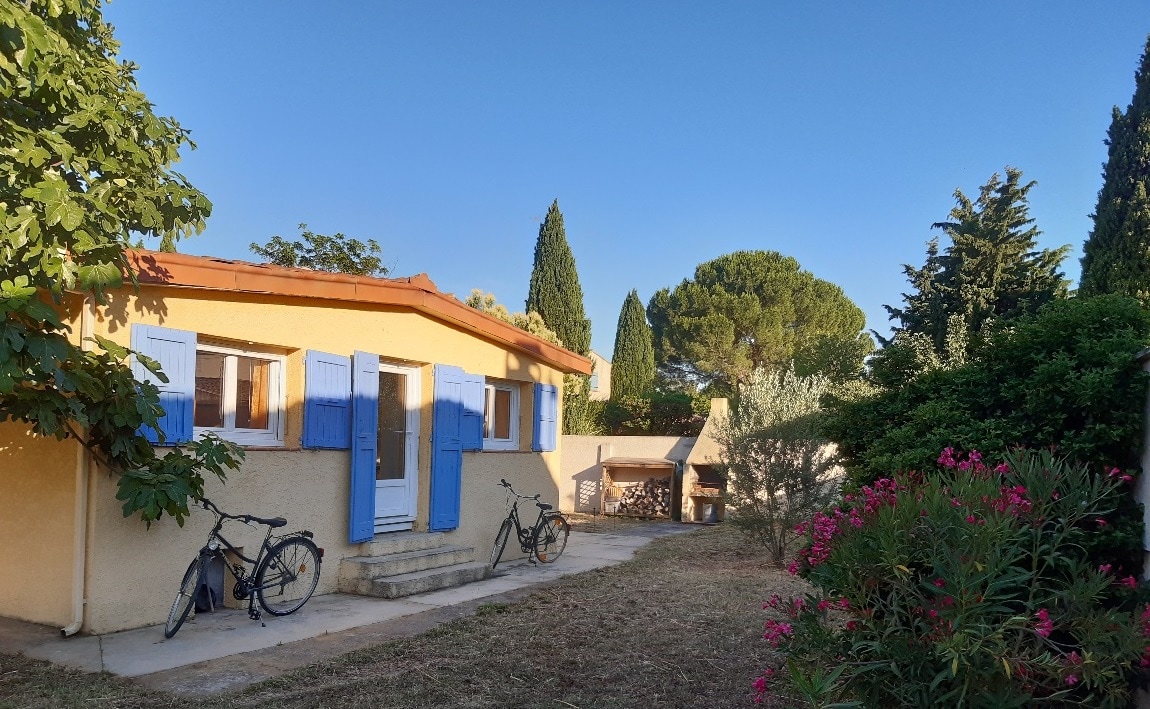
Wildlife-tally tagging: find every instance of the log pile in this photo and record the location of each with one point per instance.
(652, 498)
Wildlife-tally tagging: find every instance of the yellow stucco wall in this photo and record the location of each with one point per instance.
(37, 502)
(133, 571)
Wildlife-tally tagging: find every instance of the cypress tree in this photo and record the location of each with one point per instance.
(633, 364)
(554, 292)
(556, 295)
(1116, 256)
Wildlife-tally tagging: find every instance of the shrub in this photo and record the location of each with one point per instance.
(969, 586)
(778, 470)
(655, 414)
(1066, 377)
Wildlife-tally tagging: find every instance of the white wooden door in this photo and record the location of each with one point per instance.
(397, 467)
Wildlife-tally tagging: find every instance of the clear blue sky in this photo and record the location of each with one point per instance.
(670, 132)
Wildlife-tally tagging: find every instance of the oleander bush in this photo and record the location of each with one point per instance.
(968, 585)
(1067, 377)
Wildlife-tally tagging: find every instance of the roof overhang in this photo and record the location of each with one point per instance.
(416, 292)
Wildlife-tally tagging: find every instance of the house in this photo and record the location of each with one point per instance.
(600, 383)
(366, 407)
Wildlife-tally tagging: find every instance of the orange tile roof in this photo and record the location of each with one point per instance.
(416, 292)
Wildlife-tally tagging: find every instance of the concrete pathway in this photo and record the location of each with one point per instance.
(221, 651)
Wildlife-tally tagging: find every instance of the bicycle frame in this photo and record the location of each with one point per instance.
(244, 588)
(524, 533)
(528, 536)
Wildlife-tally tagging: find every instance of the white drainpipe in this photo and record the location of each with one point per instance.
(80, 513)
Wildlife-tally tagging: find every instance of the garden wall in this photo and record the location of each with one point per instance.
(581, 478)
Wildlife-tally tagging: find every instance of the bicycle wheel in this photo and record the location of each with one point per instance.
(550, 538)
(288, 576)
(186, 598)
(500, 542)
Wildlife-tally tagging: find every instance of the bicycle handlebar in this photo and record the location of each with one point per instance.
(246, 519)
(507, 485)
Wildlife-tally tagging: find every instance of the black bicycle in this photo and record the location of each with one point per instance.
(286, 571)
(544, 541)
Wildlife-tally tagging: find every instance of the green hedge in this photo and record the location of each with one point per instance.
(1067, 377)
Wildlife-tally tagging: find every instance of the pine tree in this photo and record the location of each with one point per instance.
(1116, 256)
(991, 271)
(556, 295)
(633, 364)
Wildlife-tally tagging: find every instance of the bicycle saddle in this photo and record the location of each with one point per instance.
(274, 522)
(543, 506)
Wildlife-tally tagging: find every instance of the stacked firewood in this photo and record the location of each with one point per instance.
(650, 498)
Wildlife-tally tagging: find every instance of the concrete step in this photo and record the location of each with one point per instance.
(397, 542)
(354, 569)
(426, 580)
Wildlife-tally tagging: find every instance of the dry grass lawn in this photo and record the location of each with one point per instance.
(680, 625)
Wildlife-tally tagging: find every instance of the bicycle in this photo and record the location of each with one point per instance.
(545, 540)
(285, 571)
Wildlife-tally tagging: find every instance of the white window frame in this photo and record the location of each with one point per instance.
(273, 435)
(490, 443)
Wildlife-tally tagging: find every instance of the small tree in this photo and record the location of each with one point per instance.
(779, 470)
(531, 322)
(86, 166)
(633, 364)
(317, 252)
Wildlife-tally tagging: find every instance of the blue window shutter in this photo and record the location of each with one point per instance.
(546, 417)
(326, 401)
(446, 448)
(364, 444)
(471, 423)
(175, 350)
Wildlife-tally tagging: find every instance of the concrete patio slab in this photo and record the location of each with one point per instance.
(215, 652)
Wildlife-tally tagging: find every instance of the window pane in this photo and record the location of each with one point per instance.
(392, 437)
(502, 414)
(209, 390)
(252, 392)
(487, 415)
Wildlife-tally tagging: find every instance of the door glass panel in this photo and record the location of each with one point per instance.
(251, 392)
(392, 441)
(209, 390)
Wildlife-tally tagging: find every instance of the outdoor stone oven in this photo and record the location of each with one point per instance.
(702, 494)
(703, 487)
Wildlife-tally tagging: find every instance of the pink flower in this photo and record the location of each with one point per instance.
(1101, 522)
(971, 519)
(823, 605)
(1002, 469)
(939, 583)
(844, 604)
(1044, 626)
(1072, 680)
(1104, 568)
(1129, 582)
(793, 568)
